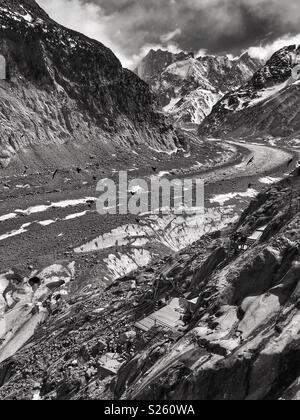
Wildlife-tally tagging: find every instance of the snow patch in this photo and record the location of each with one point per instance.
(223, 198)
(58, 205)
(269, 180)
(7, 217)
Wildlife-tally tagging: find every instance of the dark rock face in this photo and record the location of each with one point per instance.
(156, 62)
(266, 105)
(67, 93)
(188, 87)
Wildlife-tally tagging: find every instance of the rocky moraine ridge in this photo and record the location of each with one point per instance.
(66, 97)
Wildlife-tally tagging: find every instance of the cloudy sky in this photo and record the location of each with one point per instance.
(132, 27)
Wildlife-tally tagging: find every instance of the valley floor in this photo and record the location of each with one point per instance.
(40, 227)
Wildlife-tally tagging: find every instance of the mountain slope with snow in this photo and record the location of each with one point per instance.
(267, 105)
(66, 96)
(188, 87)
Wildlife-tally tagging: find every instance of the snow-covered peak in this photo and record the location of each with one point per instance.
(281, 71)
(263, 103)
(188, 87)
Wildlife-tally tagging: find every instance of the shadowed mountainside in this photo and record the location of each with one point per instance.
(67, 96)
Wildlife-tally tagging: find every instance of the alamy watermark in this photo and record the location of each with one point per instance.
(158, 195)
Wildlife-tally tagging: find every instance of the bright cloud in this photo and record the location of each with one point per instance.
(131, 27)
(264, 52)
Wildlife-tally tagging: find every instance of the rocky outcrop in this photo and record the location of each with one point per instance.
(67, 96)
(188, 87)
(265, 106)
(155, 62)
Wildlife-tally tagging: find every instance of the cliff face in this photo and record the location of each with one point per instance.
(266, 105)
(188, 87)
(155, 62)
(67, 96)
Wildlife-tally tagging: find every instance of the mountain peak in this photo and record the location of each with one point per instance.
(157, 60)
(23, 7)
(187, 88)
(263, 105)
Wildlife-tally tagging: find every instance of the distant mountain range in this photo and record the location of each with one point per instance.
(267, 105)
(189, 87)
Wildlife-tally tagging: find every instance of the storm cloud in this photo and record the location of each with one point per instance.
(131, 27)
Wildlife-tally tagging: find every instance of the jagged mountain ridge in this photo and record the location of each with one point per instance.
(66, 95)
(188, 87)
(266, 105)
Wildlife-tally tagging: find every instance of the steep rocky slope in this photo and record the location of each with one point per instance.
(66, 96)
(240, 340)
(266, 105)
(243, 339)
(188, 87)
